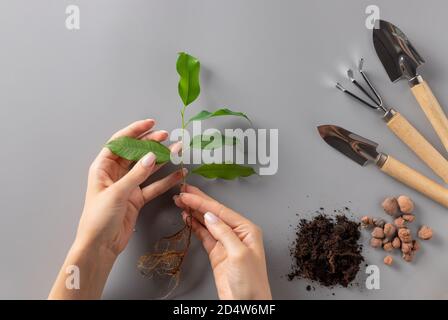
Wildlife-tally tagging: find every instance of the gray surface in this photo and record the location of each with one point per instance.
(63, 93)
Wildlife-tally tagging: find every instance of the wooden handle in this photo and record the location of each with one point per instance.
(415, 180)
(422, 148)
(432, 109)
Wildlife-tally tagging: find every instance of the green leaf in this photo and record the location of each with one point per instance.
(203, 115)
(188, 68)
(134, 149)
(207, 142)
(225, 171)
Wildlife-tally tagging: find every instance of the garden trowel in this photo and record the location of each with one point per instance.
(362, 151)
(401, 60)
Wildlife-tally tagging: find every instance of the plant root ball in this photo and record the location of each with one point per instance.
(378, 233)
(405, 235)
(406, 204)
(390, 206)
(425, 233)
(388, 260)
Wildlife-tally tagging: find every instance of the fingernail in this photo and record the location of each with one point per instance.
(210, 217)
(148, 160)
(175, 197)
(184, 172)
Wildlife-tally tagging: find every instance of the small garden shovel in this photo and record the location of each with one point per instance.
(401, 60)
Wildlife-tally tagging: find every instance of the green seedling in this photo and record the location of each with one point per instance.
(169, 252)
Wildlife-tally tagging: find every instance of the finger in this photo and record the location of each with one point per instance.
(178, 202)
(204, 205)
(135, 129)
(223, 233)
(159, 135)
(188, 188)
(196, 214)
(175, 148)
(138, 174)
(161, 186)
(200, 232)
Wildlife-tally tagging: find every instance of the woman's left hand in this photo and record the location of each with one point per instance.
(113, 200)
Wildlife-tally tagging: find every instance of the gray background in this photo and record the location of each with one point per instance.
(63, 93)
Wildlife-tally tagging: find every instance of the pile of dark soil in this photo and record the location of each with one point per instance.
(326, 250)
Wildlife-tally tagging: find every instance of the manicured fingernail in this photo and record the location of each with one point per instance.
(148, 160)
(210, 217)
(150, 120)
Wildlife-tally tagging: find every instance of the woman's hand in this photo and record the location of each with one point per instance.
(113, 200)
(233, 243)
(114, 196)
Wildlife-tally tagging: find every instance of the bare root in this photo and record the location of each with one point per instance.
(168, 256)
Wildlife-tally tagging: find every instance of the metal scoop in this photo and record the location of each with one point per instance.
(401, 60)
(363, 151)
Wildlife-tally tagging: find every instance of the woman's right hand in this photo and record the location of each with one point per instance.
(233, 243)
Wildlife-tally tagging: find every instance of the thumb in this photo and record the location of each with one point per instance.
(138, 174)
(223, 233)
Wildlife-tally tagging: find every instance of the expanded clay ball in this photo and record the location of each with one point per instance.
(400, 223)
(408, 217)
(376, 243)
(388, 260)
(388, 247)
(367, 221)
(378, 233)
(406, 204)
(415, 246)
(389, 230)
(425, 233)
(405, 235)
(390, 206)
(406, 247)
(407, 257)
(379, 222)
(396, 243)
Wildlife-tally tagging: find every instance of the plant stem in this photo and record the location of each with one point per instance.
(184, 180)
(182, 112)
